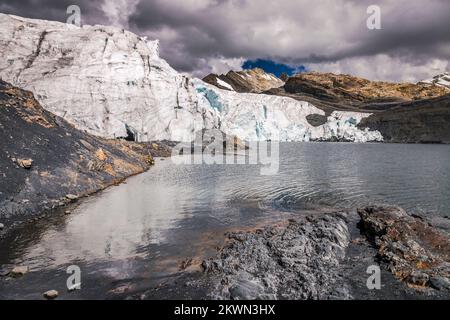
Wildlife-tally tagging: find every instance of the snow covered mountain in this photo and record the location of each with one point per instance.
(254, 80)
(440, 80)
(111, 82)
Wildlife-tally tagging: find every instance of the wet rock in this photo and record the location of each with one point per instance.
(19, 271)
(412, 249)
(51, 294)
(2, 226)
(296, 259)
(25, 163)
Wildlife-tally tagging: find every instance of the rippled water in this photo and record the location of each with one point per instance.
(137, 233)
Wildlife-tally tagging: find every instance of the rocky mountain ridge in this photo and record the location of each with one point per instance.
(254, 81)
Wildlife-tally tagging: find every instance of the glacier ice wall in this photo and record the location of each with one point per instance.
(105, 80)
(257, 117)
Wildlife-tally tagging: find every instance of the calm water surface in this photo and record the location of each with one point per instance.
(136, 234)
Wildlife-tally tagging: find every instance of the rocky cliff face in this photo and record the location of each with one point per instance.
(423, 121)
(112, 83)
(45, 162)
(255, 80)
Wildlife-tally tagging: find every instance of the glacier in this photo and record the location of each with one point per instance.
(109, 81)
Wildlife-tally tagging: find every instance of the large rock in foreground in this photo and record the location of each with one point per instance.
(297, 259)
(414, 251)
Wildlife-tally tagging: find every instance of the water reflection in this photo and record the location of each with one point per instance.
(166, 211)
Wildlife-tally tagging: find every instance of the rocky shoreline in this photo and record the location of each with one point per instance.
(46, 163)
(324, 255)
(297, 259)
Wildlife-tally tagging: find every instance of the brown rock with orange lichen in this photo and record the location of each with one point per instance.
(25, 163)
(101, 155)
(413, 251)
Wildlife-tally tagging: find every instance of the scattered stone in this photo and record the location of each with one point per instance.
(2, 226)
(86, 144)
(51, 294)
(71, 197)
(67, 212)
(25, 163)
(19, 271)
(121, 290)
(149, 160)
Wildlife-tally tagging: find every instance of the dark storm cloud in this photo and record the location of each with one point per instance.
(294, 32)
(54, 9)
(200, 36)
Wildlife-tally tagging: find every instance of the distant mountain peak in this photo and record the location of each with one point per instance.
(252, 80)
(440, 80)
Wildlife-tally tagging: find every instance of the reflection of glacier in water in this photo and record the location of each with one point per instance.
(166, 211)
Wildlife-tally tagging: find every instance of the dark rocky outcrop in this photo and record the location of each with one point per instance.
(43, 159)
(296, 259)
(423, 121)
(316, 119)
(413, 250)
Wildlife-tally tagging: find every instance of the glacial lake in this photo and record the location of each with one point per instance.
(135, 235)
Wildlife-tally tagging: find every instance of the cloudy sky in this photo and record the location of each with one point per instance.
(203, 36)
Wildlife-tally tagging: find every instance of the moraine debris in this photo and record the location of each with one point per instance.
(51, 294)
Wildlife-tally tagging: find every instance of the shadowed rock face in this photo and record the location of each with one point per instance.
(424, 121)
(252, 81)
(297, 259)
(46, 162)
(412, 250)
